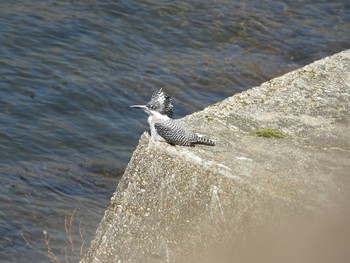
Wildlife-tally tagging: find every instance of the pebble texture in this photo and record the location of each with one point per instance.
(176, 204)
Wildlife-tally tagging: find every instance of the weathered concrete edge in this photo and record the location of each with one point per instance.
(243, 106)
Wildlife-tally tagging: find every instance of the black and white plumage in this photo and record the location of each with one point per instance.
(162, 103)
(176, 134)
(164, 128)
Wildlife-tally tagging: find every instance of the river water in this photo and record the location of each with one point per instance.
(70, 69)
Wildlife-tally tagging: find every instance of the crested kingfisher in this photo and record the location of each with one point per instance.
(163, 127)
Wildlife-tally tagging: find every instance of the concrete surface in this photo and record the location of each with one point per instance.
(179, 204)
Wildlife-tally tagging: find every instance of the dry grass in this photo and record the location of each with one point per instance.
(71, 244)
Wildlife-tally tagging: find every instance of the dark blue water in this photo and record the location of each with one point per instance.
(70, 69)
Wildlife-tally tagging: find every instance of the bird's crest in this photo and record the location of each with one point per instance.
(162, 103)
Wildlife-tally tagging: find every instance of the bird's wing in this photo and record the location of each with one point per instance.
(171, 132)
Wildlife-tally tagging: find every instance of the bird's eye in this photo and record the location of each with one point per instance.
(153, 106)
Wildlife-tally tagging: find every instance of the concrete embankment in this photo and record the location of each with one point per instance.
(283, 151)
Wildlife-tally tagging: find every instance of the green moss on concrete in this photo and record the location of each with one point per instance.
(209, 118)
(215, 104)
(268, 133)
(311, 73)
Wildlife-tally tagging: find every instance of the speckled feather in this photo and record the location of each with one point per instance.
(162, 103)
(177, 134)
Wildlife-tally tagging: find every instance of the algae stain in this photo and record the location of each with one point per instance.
(311, 73)
(209, 118)
(215, 104)
(268, 133)
(244, 103)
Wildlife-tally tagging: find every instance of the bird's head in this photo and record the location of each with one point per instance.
(160, 103)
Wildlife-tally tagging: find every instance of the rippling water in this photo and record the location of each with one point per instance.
(70, 69)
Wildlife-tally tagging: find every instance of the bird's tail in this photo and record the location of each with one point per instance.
(203, 140)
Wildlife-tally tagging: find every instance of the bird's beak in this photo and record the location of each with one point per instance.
(141, 107)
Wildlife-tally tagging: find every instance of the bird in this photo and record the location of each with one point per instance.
(162, 103)
(164, 128)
